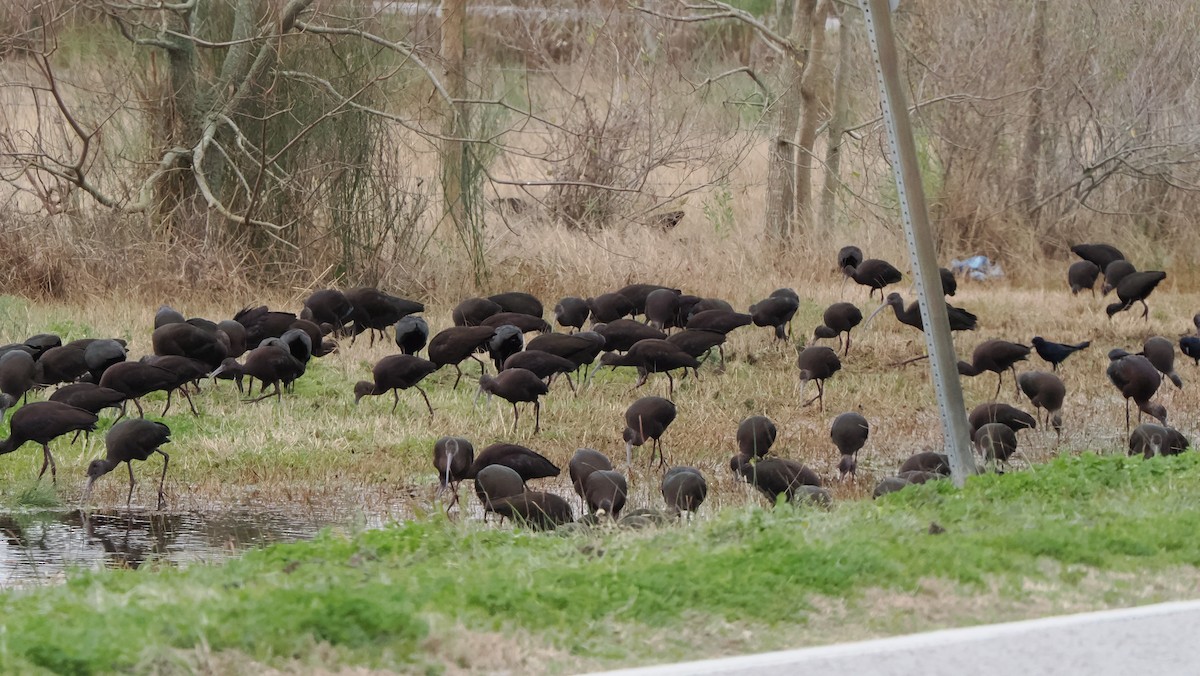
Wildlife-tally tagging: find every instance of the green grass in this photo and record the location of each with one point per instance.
(389, 597)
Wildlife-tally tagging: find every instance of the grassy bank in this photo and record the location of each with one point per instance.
(1078, 532)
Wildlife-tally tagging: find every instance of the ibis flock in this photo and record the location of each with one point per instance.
(649, 328)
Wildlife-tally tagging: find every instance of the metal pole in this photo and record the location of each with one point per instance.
(920, 241)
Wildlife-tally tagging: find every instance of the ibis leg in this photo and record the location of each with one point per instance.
(129, 497)
(162, 497)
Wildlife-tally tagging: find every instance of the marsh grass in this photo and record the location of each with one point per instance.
(1083, 532)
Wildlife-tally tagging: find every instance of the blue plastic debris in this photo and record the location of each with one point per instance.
(978, 268)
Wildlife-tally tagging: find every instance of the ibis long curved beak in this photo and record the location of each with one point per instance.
(87, 494)
(872, 316)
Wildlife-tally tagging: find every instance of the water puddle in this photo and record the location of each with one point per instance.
(40, 547)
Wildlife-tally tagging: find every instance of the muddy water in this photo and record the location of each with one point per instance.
(40, 547)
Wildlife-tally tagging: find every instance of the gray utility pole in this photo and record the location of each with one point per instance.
(920, 241)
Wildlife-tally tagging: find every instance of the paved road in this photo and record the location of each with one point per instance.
(1157, 640)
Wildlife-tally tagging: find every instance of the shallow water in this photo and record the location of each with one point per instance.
(40, 547)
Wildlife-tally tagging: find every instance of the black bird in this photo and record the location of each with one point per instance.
(1114, 273)
(39, 343)
(849, 257)
(1137, 379)
(516, 386)
(777, 312)
(62, 364)
(236, 333)
(996, 442)
(706, 304)
(775, 477)
(581, 348)
(721, 321)
(522, 321)
(873, 274)
(1082, 275)
(583, 463)
(926, 461)
(849, 433)
(571, 312)
(543, 364)
(652, 356)
(992, 412)
(529, 464)
(1190, 347)
(185, 369)
(1161, 353)
(1135, 289)
(127, 441)
(456, 343)
(662, 308)
(42, 422)
(135, 380)
(605, 492)
(647, 419)
(472, 311)
(504, 343)
(684, 489)
(839, 318)
(1099, 254)
(996, 356)
(609, 307)
(167, 315)
(621, 334)
(272, 363)
(412, 333)
(637, 294)
(396, 372)
(17, 371)
(88, 396)
(519, 302)
(534, 509)
(495, 482)
(756, 435)
(100, 354)
(960, 319)
(452, 458)
(375, 310)
(1056, 353)
(697, 343)
(817, 363)
(262, 323)
(949, 282)
(1149, 440)
(1045, 391)
(328, 306)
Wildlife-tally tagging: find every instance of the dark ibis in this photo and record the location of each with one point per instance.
(472, 311)
(185, 369)
(776, 477)
(543, 364)
(605, 492)
(494, 482)
(996, 442)
(1149, 440)
(839, 318)
(526, 323)
(1135, 289)
(39, 343)
(1082, 275)
(621, 334)
(375, 310)
(167, 315)
(42, 422)
(394, 373)
(684, 489)
(776, 312)
(526, 462)
(817, 363)
(571, 312)
(993, 411)
(1056, 353)
(135, 380)
(88, 396)
(636, 294)
(534, 509)
(996, 356)
(609, 307)
(926, 461)
(102, 353)
(328, 306)
(1098, 254)
(721, 321)
(517, 386)
(17, 371)
(849, 433)
(519, 302)
(888, 485)
(261, 323)
(1114, 273)
(662, 306)
(1190, 347)
(452, 458)
(849, 257)
(1161, 353)
(652, 356)
(62, 364)
(949, 282)
(698, 343)
(1046, 391)
(582, 464)
(756, 435)
(129, 440)
(646, 420)
(706, 304)
(960, 319)
(236, 333)
(272, 363)
(581, 348)
(457, 343)
(504, 343)
(412, 334)
(920, 477)
(873, 274)
(1137, 379)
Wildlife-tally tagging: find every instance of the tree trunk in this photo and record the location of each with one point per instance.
(781, 162)
(837, 127)
(1027, 181)
(812, 84)
(454, 128)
